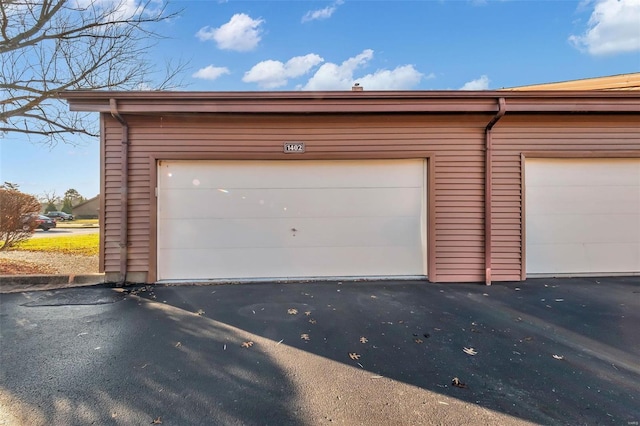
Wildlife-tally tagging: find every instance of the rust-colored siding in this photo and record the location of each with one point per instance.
(519, 136)
(447, 128)
(456, 141)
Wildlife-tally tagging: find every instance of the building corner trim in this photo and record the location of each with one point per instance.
(124, 190)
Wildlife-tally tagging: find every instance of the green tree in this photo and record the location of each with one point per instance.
(16, 209)
(51, 199)
(66, 206)
(74, 198)
(50, 208)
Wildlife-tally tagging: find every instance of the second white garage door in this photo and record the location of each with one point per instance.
(283, 219)
(582, 216)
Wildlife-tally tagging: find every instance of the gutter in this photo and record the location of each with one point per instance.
(488, 189)
(124, 190)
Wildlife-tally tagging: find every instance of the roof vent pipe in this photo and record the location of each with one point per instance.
(357, 88)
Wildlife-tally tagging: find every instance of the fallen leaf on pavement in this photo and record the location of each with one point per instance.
(363, 339)
(247, 344)
(469, 351)
(457, 383)
(558, 357)
(354, 355)
(304, 336)
(292, 311)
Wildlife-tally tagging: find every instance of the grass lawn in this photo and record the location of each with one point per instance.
(78, 223)
(85, 245)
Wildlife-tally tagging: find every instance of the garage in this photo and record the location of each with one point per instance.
(439, 186)
(582, 216)
(245, 219)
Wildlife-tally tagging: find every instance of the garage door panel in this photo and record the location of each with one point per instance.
(273, 232)
(580, 200)
(262, 219)
(582, 216)
(311, 202)
(284, 263)
(563, 229)
(581, 258)
(287, 174)
(580, 172)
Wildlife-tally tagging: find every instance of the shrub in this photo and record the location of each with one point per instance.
(15, 207)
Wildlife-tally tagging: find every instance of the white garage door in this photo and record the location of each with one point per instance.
(582, 216)
(282, 219)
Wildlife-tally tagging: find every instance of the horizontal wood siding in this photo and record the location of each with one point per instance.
(572, 135)
(456, 140)
(110, 225)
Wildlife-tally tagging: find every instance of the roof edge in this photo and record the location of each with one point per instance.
(152, 102)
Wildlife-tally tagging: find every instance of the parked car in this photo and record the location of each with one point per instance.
(59, 215)
(38, 221)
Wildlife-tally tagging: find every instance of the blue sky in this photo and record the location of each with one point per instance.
(383, 45)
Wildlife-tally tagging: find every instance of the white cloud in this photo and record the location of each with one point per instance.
(338, 77)
(271, 74)
(614, 27)
(331, 76)
(481, 83)
(210, 72)
(241, 33)
(325, 13)
(301, 65)
(402, 78)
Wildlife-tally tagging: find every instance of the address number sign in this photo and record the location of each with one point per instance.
(293, 147)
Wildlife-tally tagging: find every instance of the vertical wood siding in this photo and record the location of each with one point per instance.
(543, 135)
(456, 140)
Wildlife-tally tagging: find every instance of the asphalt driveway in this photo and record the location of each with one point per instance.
(543, 351)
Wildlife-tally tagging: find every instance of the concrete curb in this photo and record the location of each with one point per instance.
(11, 282)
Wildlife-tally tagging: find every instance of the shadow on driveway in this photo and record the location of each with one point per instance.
(546, 351)
(94, 356)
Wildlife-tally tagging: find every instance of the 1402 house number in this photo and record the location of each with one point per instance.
(293, 147)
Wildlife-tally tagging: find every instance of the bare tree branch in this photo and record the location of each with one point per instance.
(48, 46)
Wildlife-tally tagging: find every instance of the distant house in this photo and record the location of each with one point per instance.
(87, 209)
